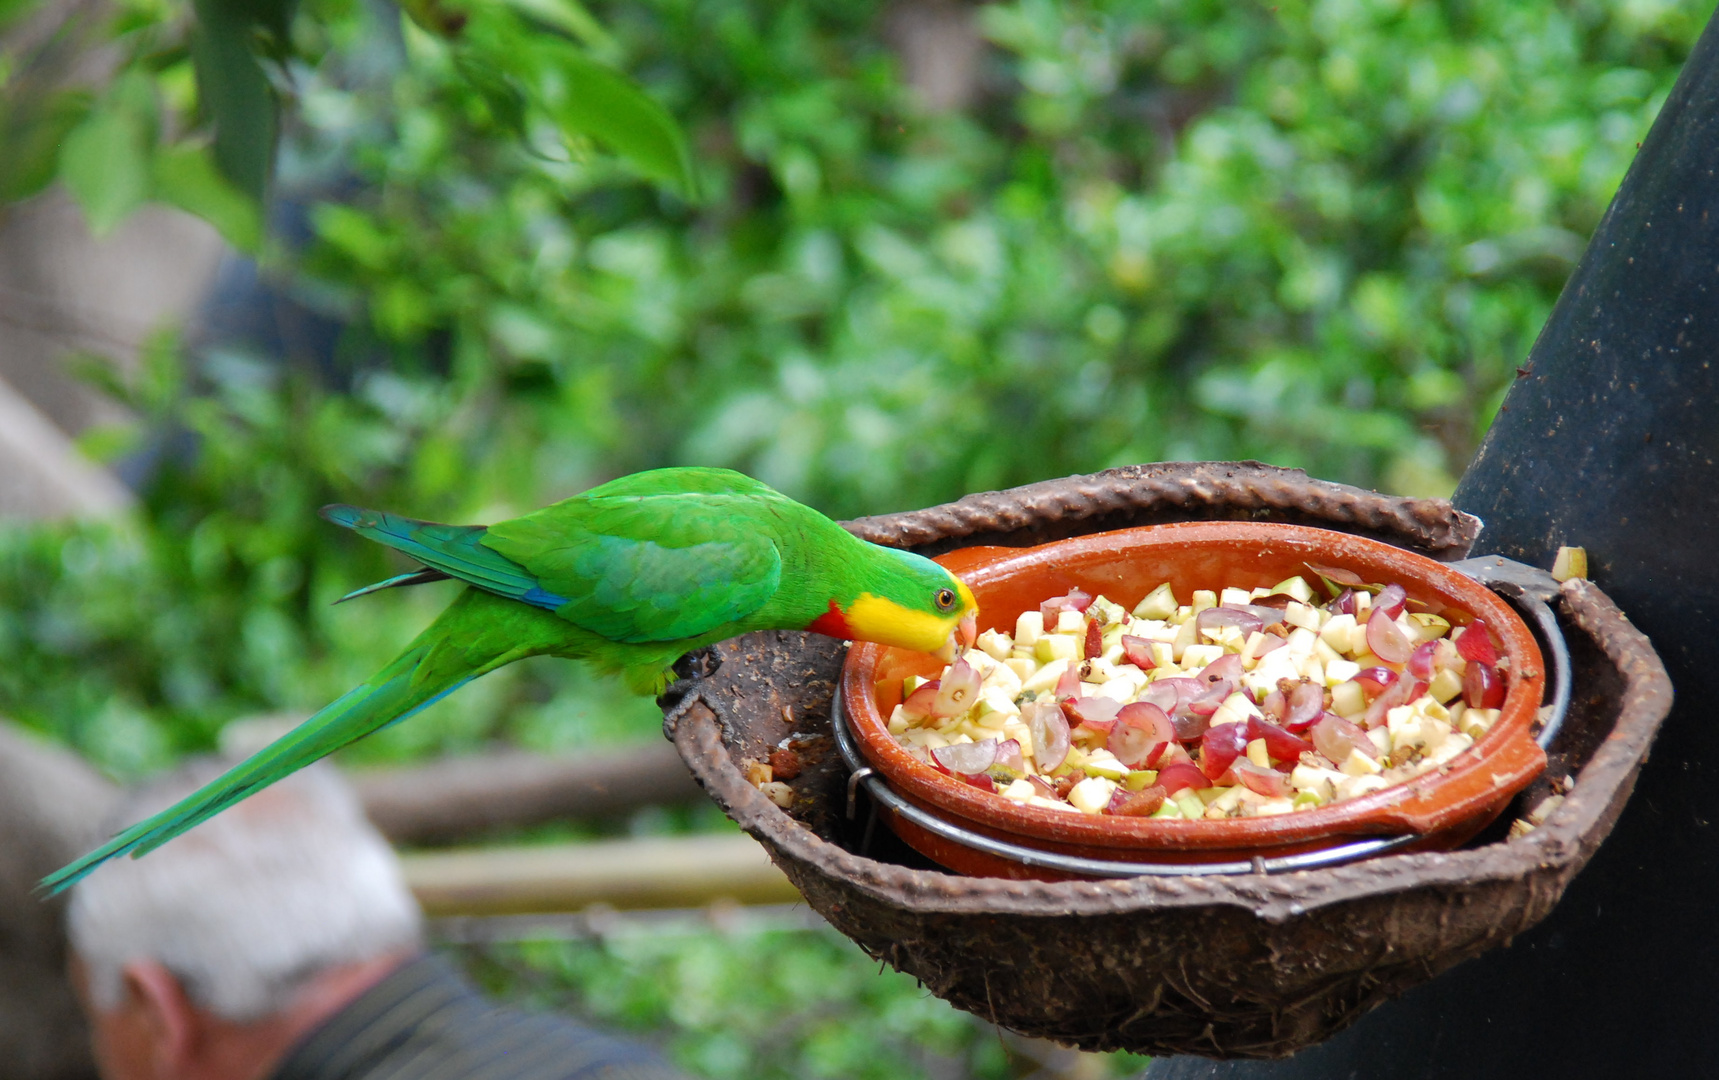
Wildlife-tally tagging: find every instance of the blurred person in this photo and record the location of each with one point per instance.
(278, 941)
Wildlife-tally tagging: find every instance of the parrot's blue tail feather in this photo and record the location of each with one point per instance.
(420, 576)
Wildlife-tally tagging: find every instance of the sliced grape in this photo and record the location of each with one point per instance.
(1475, 644)
(1140, 729)
(1076, 600)
(1213, 619)
(1049, 729)
(958, 691)
(1421, 660)
(1094, 713)
(1177, 777)
(1267, 782)
(918, 704)
(1391, 600)
(1336, 738)
(1306, 703)
(1219, 747)
(967, 758)
(1280, 744)
(1386, 639)
(1481, 686)
(1138, 651)
(1375, 680)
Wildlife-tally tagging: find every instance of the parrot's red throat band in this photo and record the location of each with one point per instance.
(833, 622)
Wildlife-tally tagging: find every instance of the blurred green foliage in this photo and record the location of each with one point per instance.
(761, 1003)
(1320, 234)
(1317, 233)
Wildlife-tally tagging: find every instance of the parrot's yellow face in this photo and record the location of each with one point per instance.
(946, 629)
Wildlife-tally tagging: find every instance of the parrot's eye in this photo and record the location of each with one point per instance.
(945, 599)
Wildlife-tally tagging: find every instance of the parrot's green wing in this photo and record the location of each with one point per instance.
(640, 561)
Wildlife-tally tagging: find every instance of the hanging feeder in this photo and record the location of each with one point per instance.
(1254, 964)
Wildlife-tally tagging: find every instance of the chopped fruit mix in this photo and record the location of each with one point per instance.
(1237, 704)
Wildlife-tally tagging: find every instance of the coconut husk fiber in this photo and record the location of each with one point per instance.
(1249, 965)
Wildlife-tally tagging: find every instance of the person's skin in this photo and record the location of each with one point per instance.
(157, 1033)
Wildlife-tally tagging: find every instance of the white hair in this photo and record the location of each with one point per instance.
(249, 906)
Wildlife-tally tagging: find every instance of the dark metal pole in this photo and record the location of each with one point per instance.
(1608, 440)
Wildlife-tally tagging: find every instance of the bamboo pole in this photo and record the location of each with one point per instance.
(672, 872)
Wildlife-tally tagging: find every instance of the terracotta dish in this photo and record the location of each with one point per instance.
(1445, 807)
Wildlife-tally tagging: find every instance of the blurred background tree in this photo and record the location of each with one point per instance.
(902, 251)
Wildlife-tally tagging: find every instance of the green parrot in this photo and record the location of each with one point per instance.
(629, 576)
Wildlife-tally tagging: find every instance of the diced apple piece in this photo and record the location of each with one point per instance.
(1234, 709)
(1356, 786)
(1125, 687)
(1195, 657)
(1186, 635)
(1106, 612)
(1301, 642)
(1051, 804)
(1257, 753)
(1235, 597)
(1446, 686)
(1054, 647)
(1020, 791)
(1359, 764)
(1191, 803)
(1101, 762)
(1427, 626)
(1571, 562)
(1045, 678)
(1476, 722)
(1301, 615)
(1336, 632)
(996, 645)
(1092, 795)
(897, 723)
(1160, 603)
(1296, 587)
(1070, 621)
(1338, 672)
(1326, 654)
(1347, 698)
(1203, 599)
(1029, 627)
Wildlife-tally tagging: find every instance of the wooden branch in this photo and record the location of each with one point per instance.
(460, 797)
(676, 871)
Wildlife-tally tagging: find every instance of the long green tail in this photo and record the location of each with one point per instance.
(478, 633)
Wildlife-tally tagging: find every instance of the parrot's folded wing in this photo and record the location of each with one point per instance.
(642, 568)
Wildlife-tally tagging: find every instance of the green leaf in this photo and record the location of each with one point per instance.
(32, 134)
(602, 103)
(569, 17)
(233, 87)
(187, 177)
(105, 165)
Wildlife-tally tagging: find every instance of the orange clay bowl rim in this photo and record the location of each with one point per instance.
(1476, 783)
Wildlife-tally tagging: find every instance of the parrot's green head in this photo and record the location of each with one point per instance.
(907, 601)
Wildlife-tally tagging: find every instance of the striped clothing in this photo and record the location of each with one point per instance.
(425, 1022)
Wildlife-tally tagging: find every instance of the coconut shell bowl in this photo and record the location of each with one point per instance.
(1230, 946)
